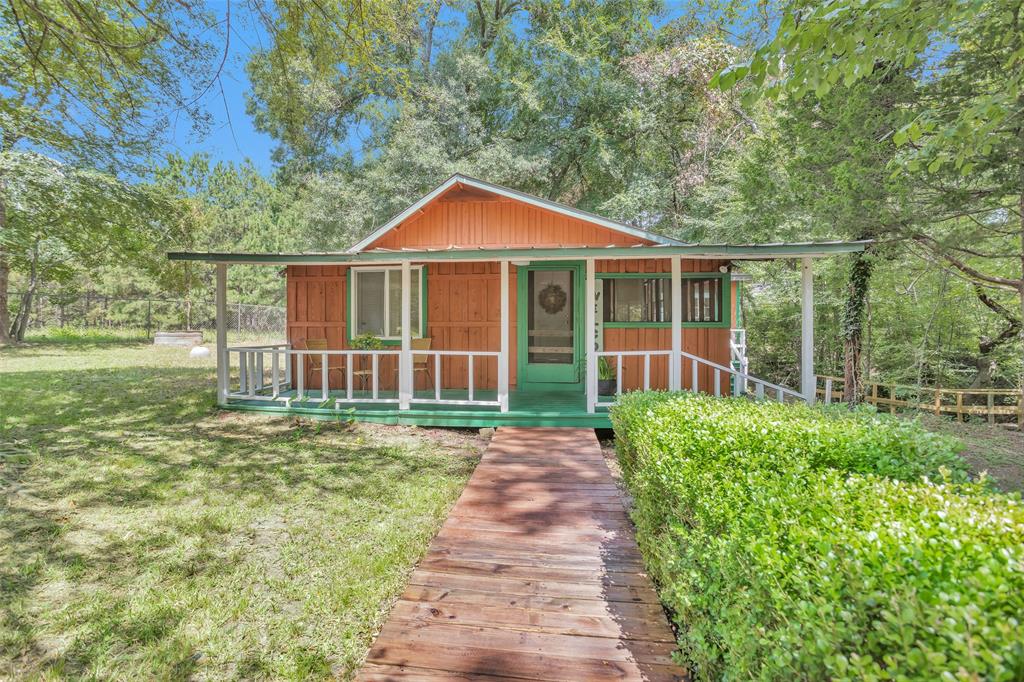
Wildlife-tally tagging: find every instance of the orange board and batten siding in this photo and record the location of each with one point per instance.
(496, 224)
(463, 313)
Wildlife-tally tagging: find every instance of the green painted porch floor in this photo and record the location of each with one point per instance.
(525, 408)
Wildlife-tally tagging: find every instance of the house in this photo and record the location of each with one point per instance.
(480, 305)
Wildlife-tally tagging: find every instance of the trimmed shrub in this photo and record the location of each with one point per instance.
(804, 543)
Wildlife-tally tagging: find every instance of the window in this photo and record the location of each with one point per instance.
(638, 300)
(648, 300)
(702, 300)
(377, 301)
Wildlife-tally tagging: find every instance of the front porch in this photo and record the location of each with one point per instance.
(366, 385)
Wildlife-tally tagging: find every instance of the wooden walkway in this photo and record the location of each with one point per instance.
(534, 576)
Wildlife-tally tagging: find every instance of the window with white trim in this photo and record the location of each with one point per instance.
(376, 301)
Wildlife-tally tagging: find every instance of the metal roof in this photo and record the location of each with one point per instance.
(717, 251)
(564, 209)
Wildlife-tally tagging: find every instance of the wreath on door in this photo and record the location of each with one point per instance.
(552, 298)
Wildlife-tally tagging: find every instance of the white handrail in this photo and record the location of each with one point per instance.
(741, 378)
(780, 390)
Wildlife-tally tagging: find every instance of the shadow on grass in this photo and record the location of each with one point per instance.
(85, 453)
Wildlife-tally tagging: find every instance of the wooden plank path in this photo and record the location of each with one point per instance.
(534, 576)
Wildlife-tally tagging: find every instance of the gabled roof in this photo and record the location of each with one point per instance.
(466, 181)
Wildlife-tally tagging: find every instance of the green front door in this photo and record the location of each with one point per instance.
(549, 320)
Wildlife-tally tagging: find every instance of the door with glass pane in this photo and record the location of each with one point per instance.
(549, 323)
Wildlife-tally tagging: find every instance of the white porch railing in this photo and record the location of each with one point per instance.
(619, 366)
(434, 358)
(365, 367)
(278, 373)
(738, 350)
(252, 372)
(736, 382)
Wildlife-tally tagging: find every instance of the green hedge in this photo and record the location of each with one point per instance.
(799, 543)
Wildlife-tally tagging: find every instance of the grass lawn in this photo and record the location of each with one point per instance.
(145, 535)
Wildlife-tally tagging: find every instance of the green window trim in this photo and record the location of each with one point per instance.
(725, 304)
(350, 304)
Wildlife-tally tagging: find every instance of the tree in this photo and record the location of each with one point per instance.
(683, 129)
(326, 66)
(61, 219)
(95, 83)
(222, 207)
(969, 120)
(820, 169)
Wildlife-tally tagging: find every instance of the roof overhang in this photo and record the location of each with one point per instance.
(690, 251)
(508, 193)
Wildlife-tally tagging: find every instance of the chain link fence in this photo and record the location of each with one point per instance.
(96, 311)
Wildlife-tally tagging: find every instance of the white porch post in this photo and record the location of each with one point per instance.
(808, 383)
(589, 336)
(676, 361)
(221, 300)
(503, 356)
(405, 379)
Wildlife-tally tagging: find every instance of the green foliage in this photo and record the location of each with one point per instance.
(605, 369)
(61, 218)
(796, 543)
(767, 434)
(94, 82)
(367, 342)
(819, 46)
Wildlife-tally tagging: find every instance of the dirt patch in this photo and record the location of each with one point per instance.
(466, 442)
(986, 447)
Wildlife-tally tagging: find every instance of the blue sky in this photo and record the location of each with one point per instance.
(232, 136)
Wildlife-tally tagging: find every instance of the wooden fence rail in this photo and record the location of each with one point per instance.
(1002, 405)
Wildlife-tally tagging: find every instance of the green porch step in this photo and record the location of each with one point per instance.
(526, 408)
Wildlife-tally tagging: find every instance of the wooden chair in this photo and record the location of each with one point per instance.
(314, 363)
(421, 361)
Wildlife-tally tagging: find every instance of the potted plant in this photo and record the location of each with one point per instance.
(366, 342)
(361, 363)
(606, 383)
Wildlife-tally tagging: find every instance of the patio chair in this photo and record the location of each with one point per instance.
(421, 361)
(314, 363)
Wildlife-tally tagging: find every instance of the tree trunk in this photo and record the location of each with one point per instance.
(5, 273)
(988, 345)
(1020, 294)
(428, 38)
(20, 325)
(853, 324)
